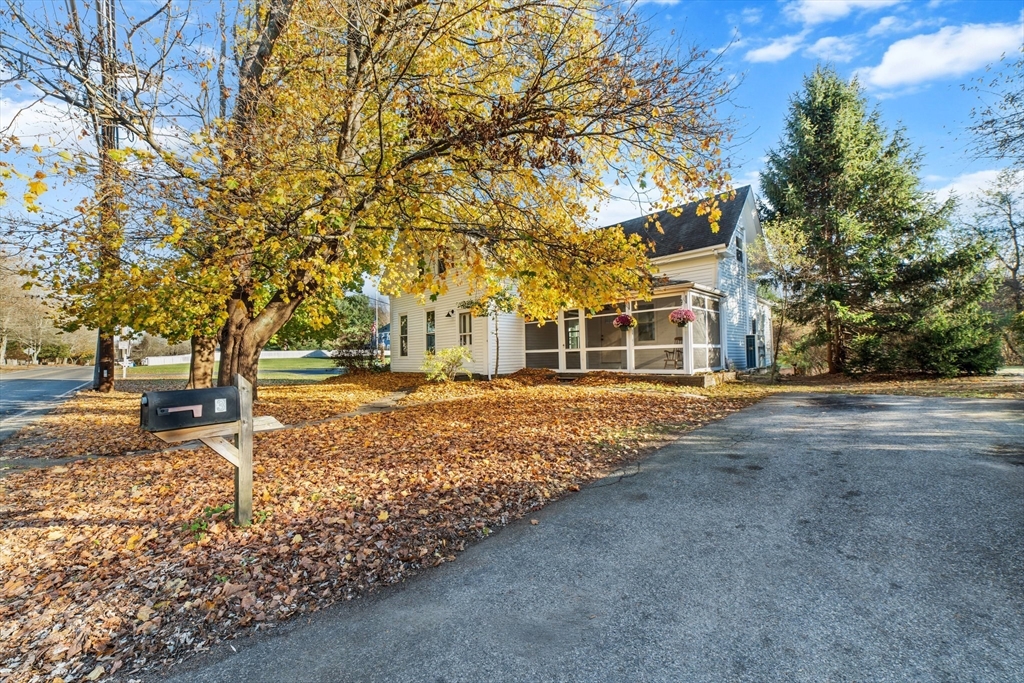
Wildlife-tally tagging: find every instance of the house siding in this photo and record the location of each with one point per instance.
(512, 354)
(446, 329)
(740, 306)
(703, 269)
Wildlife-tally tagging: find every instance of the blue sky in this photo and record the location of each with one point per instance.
(911, 56)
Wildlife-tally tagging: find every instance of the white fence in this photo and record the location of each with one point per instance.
(187, 357)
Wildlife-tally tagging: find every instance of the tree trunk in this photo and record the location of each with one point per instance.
(777, 336)
(244, 335)
(3, 349)
(200, 371)
(497, 346)
(106, 362)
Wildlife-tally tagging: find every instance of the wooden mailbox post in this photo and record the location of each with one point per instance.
(238, 451)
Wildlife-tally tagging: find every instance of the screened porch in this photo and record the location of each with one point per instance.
(578, 342)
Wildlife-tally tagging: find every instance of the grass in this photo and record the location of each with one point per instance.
(272, 368)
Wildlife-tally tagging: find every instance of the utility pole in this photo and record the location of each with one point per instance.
(110, 229)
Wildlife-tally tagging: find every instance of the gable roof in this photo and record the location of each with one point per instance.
(688, 231)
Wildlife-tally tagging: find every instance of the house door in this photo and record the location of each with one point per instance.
(751, 350)
(571, 321)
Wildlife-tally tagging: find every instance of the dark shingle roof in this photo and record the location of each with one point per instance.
(688, 231)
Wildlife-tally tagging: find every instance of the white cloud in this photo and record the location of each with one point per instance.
(38, 122)
(821, 11)
(952, 51)
(890, 24)
(778, 49)
(834, 48)
(619, 210)
(751, 15)
(964, 185)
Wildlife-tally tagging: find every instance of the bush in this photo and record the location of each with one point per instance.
(806, 356)
(953, 345)
(444, 365)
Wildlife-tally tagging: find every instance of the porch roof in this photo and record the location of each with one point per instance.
(667, 286)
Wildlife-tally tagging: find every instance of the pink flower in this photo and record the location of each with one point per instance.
(681, 316)
(624, 320)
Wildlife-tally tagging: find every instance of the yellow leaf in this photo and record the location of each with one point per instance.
(134, 541)
(144, 613)
(37, 187)
(296, 539)
(95, 674)
(383, 516)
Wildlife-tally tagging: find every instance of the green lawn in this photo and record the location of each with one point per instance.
(272, 368)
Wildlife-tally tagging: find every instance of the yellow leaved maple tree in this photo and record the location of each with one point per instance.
(380, 136)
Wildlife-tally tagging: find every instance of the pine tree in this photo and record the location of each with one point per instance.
(877, 281)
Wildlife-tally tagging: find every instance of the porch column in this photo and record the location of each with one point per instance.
(560, 321)
(630, 365)
(688, 339)
(583, 339)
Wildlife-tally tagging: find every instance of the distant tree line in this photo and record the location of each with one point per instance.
(28, 333)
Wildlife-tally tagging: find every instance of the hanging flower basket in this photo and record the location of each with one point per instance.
(624, 320)
(681, 316)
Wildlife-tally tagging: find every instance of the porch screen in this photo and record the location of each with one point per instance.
(602, 334)
(542, 345)
(707, 333)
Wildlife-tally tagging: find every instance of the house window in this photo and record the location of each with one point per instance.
(465, 329)
(739, 250)
(431, 332)
(572, 329)
(645, 327)
(403, 335)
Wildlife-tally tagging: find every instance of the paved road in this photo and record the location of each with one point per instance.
(809, 538)
(27, 394)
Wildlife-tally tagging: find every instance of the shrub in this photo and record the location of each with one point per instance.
(446, 364)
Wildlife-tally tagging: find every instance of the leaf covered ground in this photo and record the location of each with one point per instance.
(108, 424)
(126, 562)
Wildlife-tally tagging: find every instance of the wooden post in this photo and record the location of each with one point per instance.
(243, 443)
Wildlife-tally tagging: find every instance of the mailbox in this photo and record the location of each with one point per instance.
(162, 411)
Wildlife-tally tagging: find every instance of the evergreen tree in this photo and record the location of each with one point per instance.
(880, 288)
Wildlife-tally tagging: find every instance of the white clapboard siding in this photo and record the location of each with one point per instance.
(512, 354)
(446, 329)
(703, 269)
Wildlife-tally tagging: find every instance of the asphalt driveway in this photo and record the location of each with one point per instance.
(810, 538)
(27, 394)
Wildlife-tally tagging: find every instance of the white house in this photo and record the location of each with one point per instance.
(695, 268)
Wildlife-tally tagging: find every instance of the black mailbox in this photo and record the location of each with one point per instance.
(165, 410)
